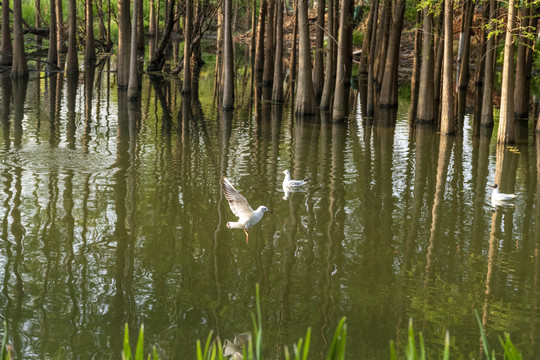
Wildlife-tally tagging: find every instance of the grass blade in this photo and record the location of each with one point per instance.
(484, 339)
(126, 354)
(306, 345)
(139, 352)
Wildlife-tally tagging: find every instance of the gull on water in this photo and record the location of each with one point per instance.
(247, 217)
(498, 198)
(291, 185)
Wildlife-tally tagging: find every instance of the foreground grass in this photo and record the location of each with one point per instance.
(250, 347)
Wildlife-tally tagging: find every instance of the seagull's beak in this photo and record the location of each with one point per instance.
(270, 212)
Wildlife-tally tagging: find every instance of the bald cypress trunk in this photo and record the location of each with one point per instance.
(505, 133)
(6, 48)
(304, 102)
(318, 71)
(124, 35)
(277, 86)
(90, 48)
(448, 121)
(426, 109)
(268, 73)
(489, 74)
(133, 85)
(340, 109)
(19, 68)
(188, 24)
(72, 66)
(228, 71)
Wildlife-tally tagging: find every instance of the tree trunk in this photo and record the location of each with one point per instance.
(463, 79)
(228, 64)
(448, 121)
(268, 73)
(60, 27)
(124, 35)
(318, 71)
(362, 67)
(415, 76)
(140, 29)
(252, 48)
(370, 101)
(188, 23)
(489, 73)
(523, 64)
(304, 102)
(437, 66)
(152, 26)
(344, 62)
(329, 79)
(90, 48)
(259, 55)
(52, 55)
(505, 133)
(277, 89)
(426, 109)
(388, 96)
(382, 41)
(133, 85)
(6, 49)
(293, 59)
(19, 67)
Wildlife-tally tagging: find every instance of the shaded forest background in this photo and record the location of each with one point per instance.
(300, 51)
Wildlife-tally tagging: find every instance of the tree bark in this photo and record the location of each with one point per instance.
(293, 59)
(382, 41)
(6, 49)
(489, 73)
(19, 68)
(188, 22)
(152, 26)
(370, 101)
(362, 67)
(415, 76)
(340, 109)
(304, 102)
(426, 109)
(140, 29)
(277, 89)
(124, 35)
(318, 71)
(330, 70)
(133, 83)
(505, 133)
(523, 63)
(228, 64)
(60, 27)
(463, 80)
(268, 73)
(388, 96)
(52, 55)
(90, 48)
(448, 121)
(259, 54)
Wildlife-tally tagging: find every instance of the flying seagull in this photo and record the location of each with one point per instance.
(240, 207)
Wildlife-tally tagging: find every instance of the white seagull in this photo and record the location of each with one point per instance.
(291, 185)
(247, 217)
(498, 198)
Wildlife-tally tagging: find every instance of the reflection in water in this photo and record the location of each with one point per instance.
(112, 213)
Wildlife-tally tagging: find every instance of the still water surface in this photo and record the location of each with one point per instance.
(112, 213)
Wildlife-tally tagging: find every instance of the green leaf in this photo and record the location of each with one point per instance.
(126, 354)
(139, 352)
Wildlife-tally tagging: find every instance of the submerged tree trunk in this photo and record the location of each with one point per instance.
(426, 109)
(505, 133)
(304, 102)
(6, 49)
(90, 47)
(489, 73)
(228, 66)
(370, 101)
(186, 81)
(60, 27)
(340, 109)
(72, 65)
(259, 54)
(415, 76)
(268, 73)
(448, 121)
(19, 68)
(328, 86)
(52, 55)
(133, 85)
(277, 89)
(318, 67)
(124, 32)
(389, 87)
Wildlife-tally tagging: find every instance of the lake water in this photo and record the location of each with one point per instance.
(112, 213)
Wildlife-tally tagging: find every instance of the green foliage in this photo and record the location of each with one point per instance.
(139, 350)
(358, 38)
(510, 351)
(5, 351)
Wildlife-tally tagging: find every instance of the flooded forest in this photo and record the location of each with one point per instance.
(411, 127)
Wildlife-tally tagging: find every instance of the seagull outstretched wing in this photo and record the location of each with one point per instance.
(237, 202)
